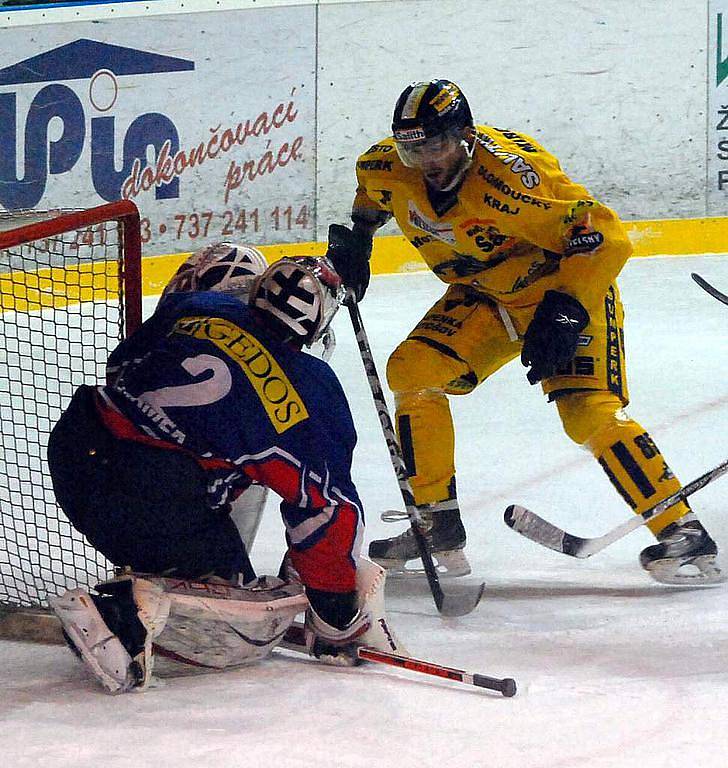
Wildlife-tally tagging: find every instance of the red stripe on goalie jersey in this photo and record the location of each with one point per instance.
(323, 535)
(125, 429)
(328, 564)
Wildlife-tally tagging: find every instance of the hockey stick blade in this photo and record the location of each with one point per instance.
(535, 528)
(706, 286)
(462, 602)
(295, 640)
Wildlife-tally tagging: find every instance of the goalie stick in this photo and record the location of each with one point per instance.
(533, 527)
(706, 286)
(295, 640)
(448, 604)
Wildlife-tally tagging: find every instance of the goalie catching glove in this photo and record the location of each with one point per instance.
(552, 336)
(369, 626)
(349, 251)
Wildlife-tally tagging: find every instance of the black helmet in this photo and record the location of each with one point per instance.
(428, 109)
(429, 125)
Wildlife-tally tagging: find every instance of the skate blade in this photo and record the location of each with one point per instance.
(697, 571)
(449, 564)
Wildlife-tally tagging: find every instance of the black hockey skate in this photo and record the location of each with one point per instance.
(684, 555)
(445, 535)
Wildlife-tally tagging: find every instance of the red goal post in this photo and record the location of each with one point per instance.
(70, 290)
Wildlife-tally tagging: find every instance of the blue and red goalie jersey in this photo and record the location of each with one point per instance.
(205, 375)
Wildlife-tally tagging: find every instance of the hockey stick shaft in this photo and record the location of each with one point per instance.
(507, 685)
(534, 527)
(294, 640)
(712, 290)
(454, 605)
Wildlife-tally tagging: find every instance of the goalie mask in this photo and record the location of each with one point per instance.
(430, 132)
(301, 295)
(224, 267)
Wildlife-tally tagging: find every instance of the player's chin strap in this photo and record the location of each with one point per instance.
(448, 604)
(469, 152)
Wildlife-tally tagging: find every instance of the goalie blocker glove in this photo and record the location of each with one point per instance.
(332, 645)
(349, 251)
(552, 336)
(333, 634)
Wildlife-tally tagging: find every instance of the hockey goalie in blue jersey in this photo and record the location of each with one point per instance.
(211, 397)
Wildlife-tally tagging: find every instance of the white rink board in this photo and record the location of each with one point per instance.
(717, 175)
(616, 90)
(206, 121)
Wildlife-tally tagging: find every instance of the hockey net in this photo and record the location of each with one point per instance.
(70, 290)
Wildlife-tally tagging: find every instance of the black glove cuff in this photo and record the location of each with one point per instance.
(335, 608)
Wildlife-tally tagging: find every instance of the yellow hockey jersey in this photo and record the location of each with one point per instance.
(517, 227)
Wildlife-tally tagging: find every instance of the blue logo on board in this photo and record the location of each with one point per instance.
(54, 131)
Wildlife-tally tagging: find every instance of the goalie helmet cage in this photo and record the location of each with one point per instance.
(70, 290)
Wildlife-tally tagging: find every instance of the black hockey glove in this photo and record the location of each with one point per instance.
(552, 336)
(349, 251)
(332, 645)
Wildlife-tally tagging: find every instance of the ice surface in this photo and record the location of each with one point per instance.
(613, 669)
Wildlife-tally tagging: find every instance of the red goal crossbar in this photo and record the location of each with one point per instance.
(123, 211)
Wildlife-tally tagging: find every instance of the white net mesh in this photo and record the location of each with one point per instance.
(61, 313)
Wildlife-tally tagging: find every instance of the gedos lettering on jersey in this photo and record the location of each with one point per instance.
(283, 405)
(516, 164)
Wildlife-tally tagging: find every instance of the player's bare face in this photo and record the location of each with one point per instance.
(439, 159)
(439, 171)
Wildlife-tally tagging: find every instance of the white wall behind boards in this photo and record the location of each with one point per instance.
(206, 121)
(618, 90)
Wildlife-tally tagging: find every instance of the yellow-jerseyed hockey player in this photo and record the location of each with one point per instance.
(530, 259)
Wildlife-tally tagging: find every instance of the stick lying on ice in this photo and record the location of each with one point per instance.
(294, 640)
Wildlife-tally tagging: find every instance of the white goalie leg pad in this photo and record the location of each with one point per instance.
(99, 648)
(370, 579)
(246, 512)
(153, 607)
(215, 626)
(144, 610)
